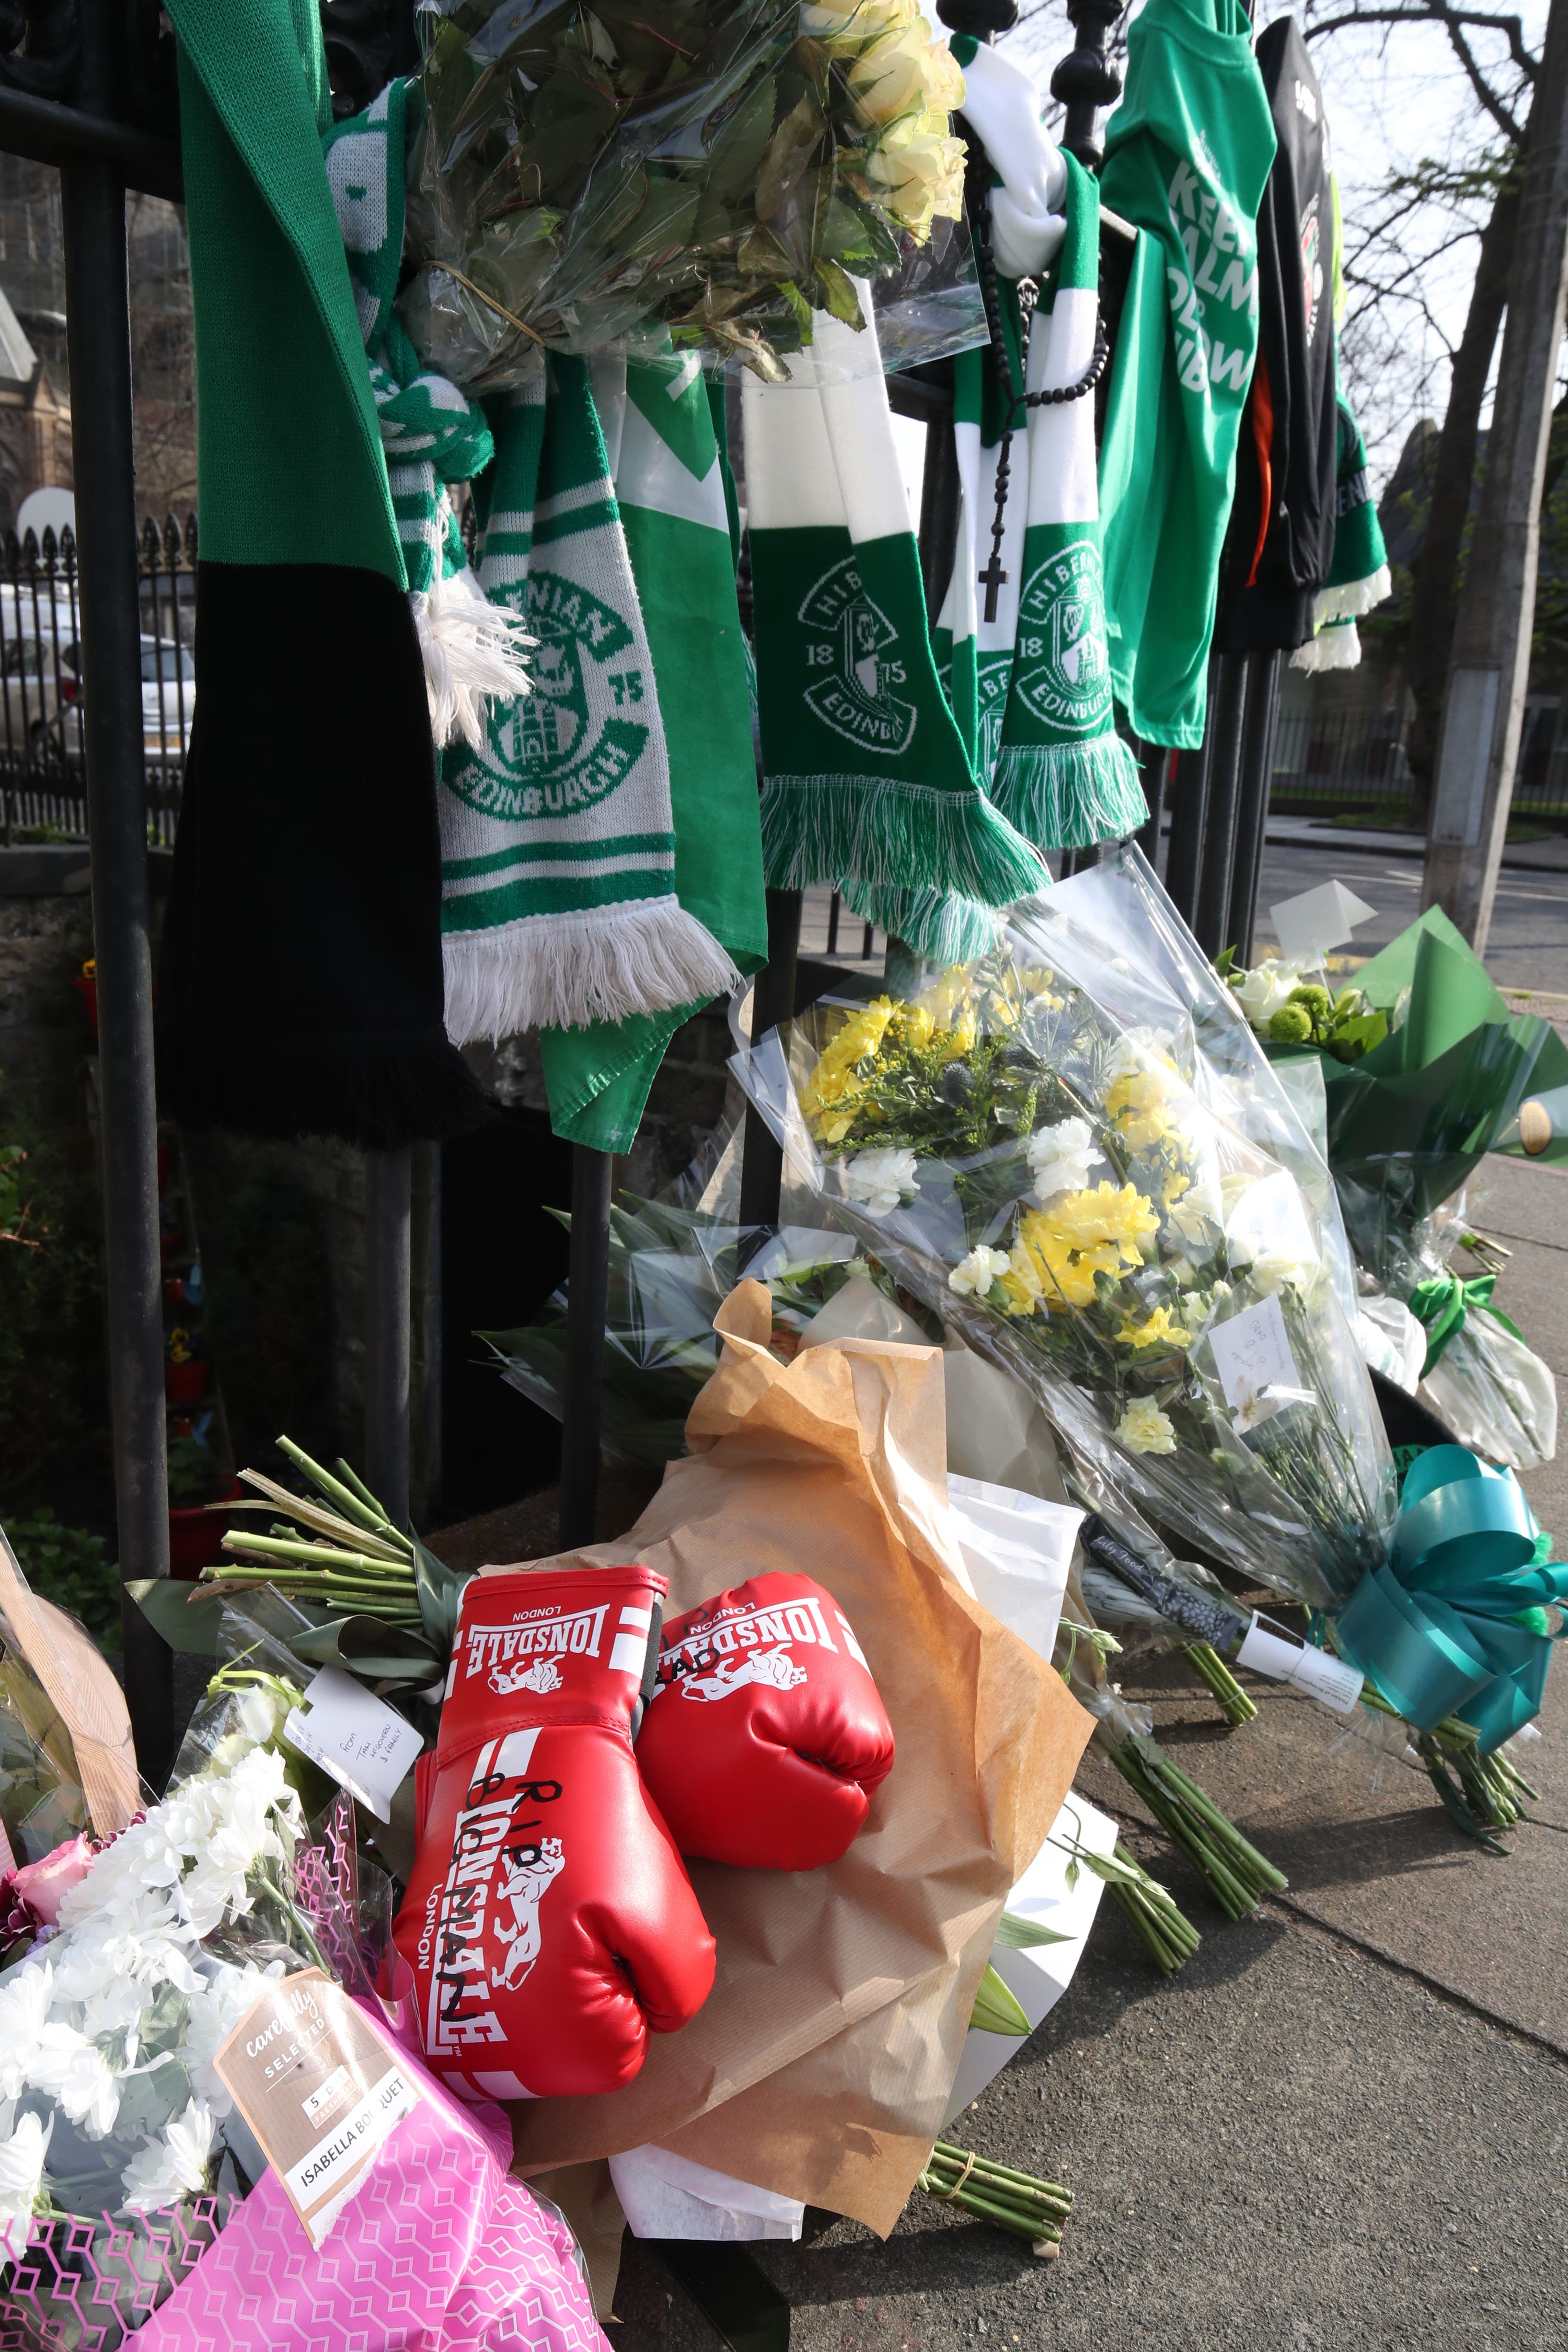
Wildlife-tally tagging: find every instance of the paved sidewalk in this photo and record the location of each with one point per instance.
(1344, 2124)
(1550, 856)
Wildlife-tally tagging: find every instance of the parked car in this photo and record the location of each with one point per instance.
(41, 722)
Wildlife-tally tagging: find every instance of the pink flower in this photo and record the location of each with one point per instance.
(42, 1885)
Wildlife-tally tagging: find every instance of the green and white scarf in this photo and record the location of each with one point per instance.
(1359, 575)
(1064, 776)
(559, 904)
(674, 496)
(431, 434)
(867, 782)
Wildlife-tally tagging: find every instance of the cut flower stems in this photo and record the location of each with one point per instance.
(1215, 1677)
(353, 1561)
(1236, 1874)
(1016, 2201)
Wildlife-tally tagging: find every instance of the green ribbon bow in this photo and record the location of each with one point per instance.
(1443, 1303)
(1455, 1623)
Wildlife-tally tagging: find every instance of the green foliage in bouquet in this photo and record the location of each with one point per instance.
(719, 168)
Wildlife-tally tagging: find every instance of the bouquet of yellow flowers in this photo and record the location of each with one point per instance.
(719, 169)
(1073, 1149)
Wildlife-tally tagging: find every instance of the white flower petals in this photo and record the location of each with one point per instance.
(1060, 1158)
(174, 2166)
(972, 1277)
(881, 1179)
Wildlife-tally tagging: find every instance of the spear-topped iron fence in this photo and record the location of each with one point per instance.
(42, 700)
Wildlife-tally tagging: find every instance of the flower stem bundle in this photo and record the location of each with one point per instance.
(1016, 2201)
(1215, 1675)
(1480, 1794)
(355, 1562)
(1162, 1927)
(1236, 1873)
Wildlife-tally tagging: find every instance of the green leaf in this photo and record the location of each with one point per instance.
(736, 153)
(996, 2011)
(1016, 1935)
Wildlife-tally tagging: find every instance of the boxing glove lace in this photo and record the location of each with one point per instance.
(549, 1921)
(764, 1737)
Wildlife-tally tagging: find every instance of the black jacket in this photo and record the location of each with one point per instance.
(1281, 536)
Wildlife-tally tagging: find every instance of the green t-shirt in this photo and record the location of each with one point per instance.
(1188, 154)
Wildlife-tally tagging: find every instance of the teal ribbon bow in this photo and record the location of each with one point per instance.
(1455, 1624)
(1442, 1304)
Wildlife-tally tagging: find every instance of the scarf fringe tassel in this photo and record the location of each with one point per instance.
(884, 835)
(563, 971)
(942, 927)
(472, 650)
(1336, 646)
(1071, 795)
(1351, 598)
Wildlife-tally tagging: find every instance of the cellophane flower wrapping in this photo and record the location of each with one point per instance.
(1074, 1151)
(708, 173)
(124, 2164)
(43, 1808)
(671, 1267)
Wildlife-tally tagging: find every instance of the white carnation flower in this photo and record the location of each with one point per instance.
(1275, 1270)
(1060, 1157)
(22, 2154)
(972, 1277)
(1144, 1429)
(173, 2166)
(881, 1178)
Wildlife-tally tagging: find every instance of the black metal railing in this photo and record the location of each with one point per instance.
(1342, 761)
(42, 772)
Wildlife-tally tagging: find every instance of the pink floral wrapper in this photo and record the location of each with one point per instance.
(438, 2251)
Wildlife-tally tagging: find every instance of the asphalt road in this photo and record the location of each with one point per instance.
(1529, 943)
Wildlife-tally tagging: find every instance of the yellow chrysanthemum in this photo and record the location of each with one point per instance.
(1022, 1282)
(1176, 1185)
(1155, 1331)
(1102, 1213)
(838, 1080)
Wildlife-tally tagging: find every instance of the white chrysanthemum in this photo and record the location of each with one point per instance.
(67, 2067)
(242, 1835)
(173, 2166)
(217, 2007)
(1144, 1429)
(972, 1277)
(21, 2152)
(881, 1178)
(1060, 1158)
(24, 2005)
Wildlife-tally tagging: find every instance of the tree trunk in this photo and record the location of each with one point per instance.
(1434, 574)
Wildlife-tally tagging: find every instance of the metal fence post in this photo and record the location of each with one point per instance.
(388, 1265)
(1256, 778)
(99, 343)
(587, 1292)
(1226, 715)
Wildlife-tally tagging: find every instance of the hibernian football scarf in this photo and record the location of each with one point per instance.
(1063, 773)
(867, 781)
(299, 976)
(670, 488)
(1187, 154)
(1359, 575)
(431, 434)
(557, 841)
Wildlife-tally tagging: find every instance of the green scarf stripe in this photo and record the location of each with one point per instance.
(550, 529)
(535, 895)
(633, 845)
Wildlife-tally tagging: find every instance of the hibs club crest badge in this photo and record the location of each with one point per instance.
(1062, 674)
(581, 731)
(852, 661)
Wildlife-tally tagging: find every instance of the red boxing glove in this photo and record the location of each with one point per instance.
(549, 1920)
(764, 1737)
